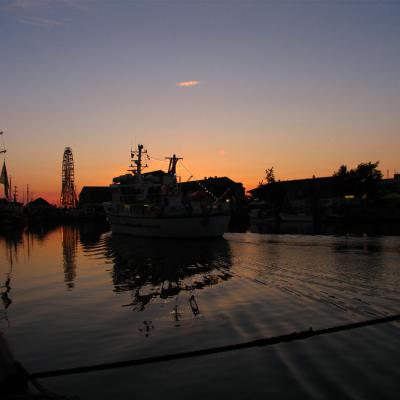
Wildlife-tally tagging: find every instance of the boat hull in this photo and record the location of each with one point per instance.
(170, 227)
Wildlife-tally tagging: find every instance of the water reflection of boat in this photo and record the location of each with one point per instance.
(153, 268)
(90, 233)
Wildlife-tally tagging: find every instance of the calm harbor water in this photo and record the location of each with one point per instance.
(78, 295)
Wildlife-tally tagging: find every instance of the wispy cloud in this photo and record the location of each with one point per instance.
(24, 5)
(41, 12)
(38, 4)
(42, 22)
(188, 83)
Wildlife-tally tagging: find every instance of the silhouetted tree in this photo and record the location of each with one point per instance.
(361, 181)
(341, 172)
(344, 180)
(367, 176)
(270, 175)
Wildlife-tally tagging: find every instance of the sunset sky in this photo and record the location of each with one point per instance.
(233, 87)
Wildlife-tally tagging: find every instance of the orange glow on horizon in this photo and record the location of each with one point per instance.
(220, 165)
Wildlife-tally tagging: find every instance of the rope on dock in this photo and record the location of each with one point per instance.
(215, 350)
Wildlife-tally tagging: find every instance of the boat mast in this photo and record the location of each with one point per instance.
(137, 168)
(3, 176)
(172, 163)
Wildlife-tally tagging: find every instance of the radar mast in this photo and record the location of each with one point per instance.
(137, 166)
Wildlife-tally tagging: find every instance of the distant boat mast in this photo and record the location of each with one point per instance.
(3, 148)
(4, 176)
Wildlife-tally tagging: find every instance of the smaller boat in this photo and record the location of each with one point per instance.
(11, 212)
(261, 211)
(152, 205)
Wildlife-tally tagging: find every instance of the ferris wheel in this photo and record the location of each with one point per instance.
(68, 195)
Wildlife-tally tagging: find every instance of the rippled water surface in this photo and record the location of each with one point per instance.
(75, 296)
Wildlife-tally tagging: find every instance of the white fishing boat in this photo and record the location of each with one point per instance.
(151, 204)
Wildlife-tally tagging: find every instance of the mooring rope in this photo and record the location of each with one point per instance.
(214, 350)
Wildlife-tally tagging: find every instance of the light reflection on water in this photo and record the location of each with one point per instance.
(79, 295)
